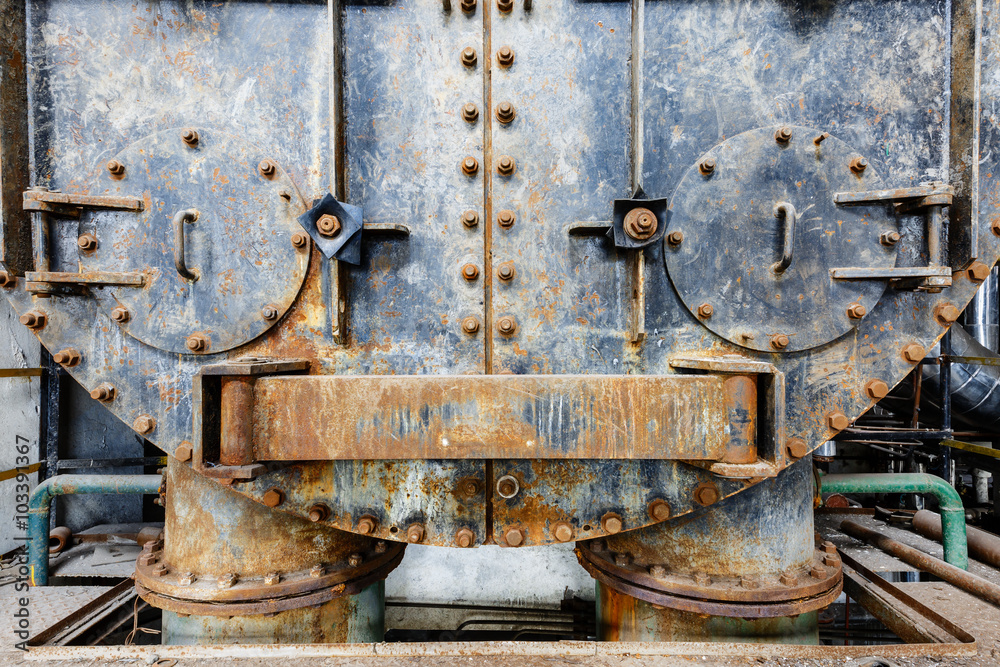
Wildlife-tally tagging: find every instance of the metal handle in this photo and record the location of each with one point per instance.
(786, 211)
(187, 215)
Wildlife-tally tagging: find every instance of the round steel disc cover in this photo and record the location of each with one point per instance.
(239, 247)
(734, 240)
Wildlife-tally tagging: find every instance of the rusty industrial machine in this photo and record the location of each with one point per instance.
(378, 275)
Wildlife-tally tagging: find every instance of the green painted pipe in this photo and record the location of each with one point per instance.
(62, 485)
(956, 549)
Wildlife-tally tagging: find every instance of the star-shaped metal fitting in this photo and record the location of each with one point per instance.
(335, 227)
(638, 222)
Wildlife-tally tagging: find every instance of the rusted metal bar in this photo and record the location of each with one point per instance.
(236, 436)
(34, 200)
(893, 194)
(181, 217)
(637, 302)
(90, 278)
(679, 417)
(983, 546)
(898, 272)
(741, 407)
(968, 582)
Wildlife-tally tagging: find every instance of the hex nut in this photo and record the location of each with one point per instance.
(837, 421)
(273, 497)
(796, 447)
(977, 272)
(33, 319)
(187, 579)
(913, 352)
(514, 537)
(6, 279)
(505, 56)
(508, 486)
(468, 6)
(659, 510)
(876, 389)
(506, 271)
(506, 165)
(889, 239)
(817, 572)
(190, 137)
(749, 583)
(657, 571)
(67, 357)
(269, 312)
(267, 168)
(272, 579)
(471, 487)
(675, 238)
(470, 272)
(505, 219)
(856, 311)
(470, 166)
(505, 112)
(706, 493)
(328, 226)
(318, 512)
(640, 223)
(702, 579)
(144, 424)
(367, 524)
(161, 570)
(147, 558)
(830, 560)
(86, 242)
(821, 138)
(706, 166)
(505, 6)
(121, 315)
(788, 578)
(783, 134)
(470, 112)
(470, 324)
(197, 343)
(103, 392)
(184, 451)
(828, 547)
(469, 56)
(705, 311)
(611, 523)
(300, 240)
(115, 168)
(858, 165)
(622, 560)
(563, 532)
(381, 547)
(779, 341)
(946, 313)
(415, 533)
(464, 538)
(470, 218)
(317, 571)
(227, 580)
(354, 560)
(507, 325)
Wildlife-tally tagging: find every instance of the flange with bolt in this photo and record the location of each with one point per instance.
(190, 137)
(267, 168)
(876, 389)
(506, 325)
(505, 56)
(67, 357)
(328, 225)
(469, 56)
(470, 324)
(506, 165)
(470, 218)
(86, 242)
(705, 311)
(470, 166)
(103, 392)
(505, 112)
(144, 424)
(464, 538)
(779, 341)
(640, 223)
(120, 315)
(856, 311)
(505, 219)
(33, 319)
(197, 343)
(470, 112)
(470, 272)
(796, 447)
(115, 168)
(506, 271)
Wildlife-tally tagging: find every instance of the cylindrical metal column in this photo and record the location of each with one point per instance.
(230, 570)
(743, 568)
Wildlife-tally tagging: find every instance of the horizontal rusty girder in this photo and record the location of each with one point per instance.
(300, 418)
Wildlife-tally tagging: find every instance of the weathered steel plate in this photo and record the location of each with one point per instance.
(505, 416)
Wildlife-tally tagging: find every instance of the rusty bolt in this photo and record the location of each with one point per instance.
(186, 579)
(7, 280)
(817, 572)
(103, 392)
(977, 272)
(913, 352)
(705, 311)
(267, 168)
(821, 138)
(829, 547)
(318, 512)
(783, 134)
(507, 486)
(779, 341)
(858, 165)
(273, 497)
(470, 272)
(505, 219)
(470, 112)
(856, 311)
(144, 424)
(657, 571)
(706, 494)
(749, 583)
(415, 533)
(514, 537)
(121, 315)
(328, 225)
(506, 271)
(470, 218)
(468, 6)
(702, 579)
(611, 523)
(67, 357)
(470, 166)
(190, 137)
(197, 343)
(470, 324)
(380, 547)
(115, 168)
(563, 532)
(837, 421)
(505, 5)
(675, 237)
(946, 313)
(317, 571)
(161, 570)
(272, 579)
(471, 487)
(464, 538)
(505, 165)
(621, 560)
(706, 166)
(507, 325)
(147, 559)
(596, 545)
(184, 451)
(659, 510)
(86, 242)
(227, 580)
(300, 240)
(889, 239)
(830, 560)
(33, 319)
(876, 389)
(995, 227)
(505, 56)
(269, 312)
(789, 578)
(469, 56)
(796, 448)
(505, 112)
(640, 223)
(367, 524)
(355, 560)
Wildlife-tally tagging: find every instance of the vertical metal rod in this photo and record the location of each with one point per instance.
(935, 233)
(236, 410)
(945, 387)
(40, 241)
(333, 282)
(488, 218)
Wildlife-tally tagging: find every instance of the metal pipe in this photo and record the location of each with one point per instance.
(63, 485)
(978, 586)
(982, 317)
(983, 546)
(956, 550)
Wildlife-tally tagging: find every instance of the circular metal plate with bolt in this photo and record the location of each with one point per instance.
(214, 242)
(760, 232)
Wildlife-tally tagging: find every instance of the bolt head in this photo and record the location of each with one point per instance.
(115, 168)
(622, 560)
(563, 532)
(995, 227)
(196, 343)
(470, 166)
(272, 579)
(783, 134)
(273, 497)
(507, 486)
(830, 560)
(505, 165)
(269, 312)
(706, 166)
(190, 137)
(318, 512)
(86, 242)
(464, 538)
(468, 6)
(505, 112)
(120, 315)
(977, 272)
(354, 560)
(829, 547)
(876, 389)
(144, 424)
(659, 510)
(837, 421)
(300, 240)
(470, 272)
(514, 537)
(858, 165)
(470, 325)
(7, 280)
(611, 523)
(227, 580)
(469, 56)
(749, 583)
(317, 571)
(505, 56)
(706, 494)
(889, 239)
(33, 319)
(657, 571)
(640, 223)
(147, 559)
(470, 112)
(505, 5)
(187, 579)
(415, 533)
(675, 237)
(946, 313)
(380, 547)
(779, 341)
(506, 271)
(267, 168)
(328, 225)
(161, 570)
(103, 392)
(470, 218)
(507, 325)
(67, 357)
(913, 352)
(705, 311)
(796, 448)
(184, 451)
(505, 219)
(702, 579)
(856, 311)
(366, 525)
(788, 578)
